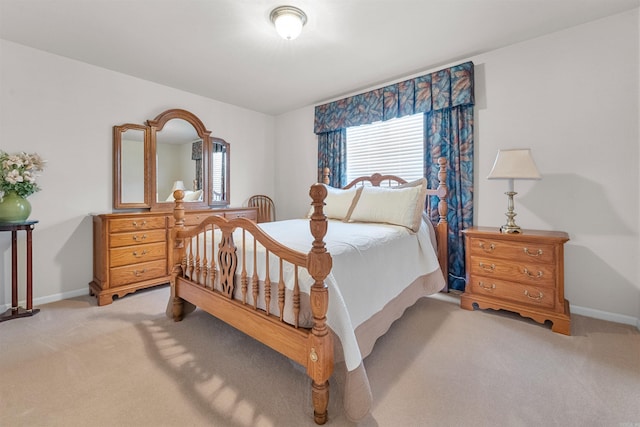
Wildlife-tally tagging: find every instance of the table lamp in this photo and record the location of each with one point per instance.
(513, 164)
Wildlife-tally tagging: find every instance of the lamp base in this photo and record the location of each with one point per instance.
(510, 229)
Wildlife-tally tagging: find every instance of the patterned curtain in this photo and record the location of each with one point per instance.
(332, 154)
(449, 133)
(196, 154)
(446, 98)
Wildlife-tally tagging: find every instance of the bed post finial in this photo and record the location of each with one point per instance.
(326, 173)
(319, 263)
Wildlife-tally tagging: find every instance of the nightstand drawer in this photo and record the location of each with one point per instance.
(531, 295)
(527, 273)
(517, 251)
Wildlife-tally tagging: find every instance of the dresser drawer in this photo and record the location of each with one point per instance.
(517, 251)
(135, 254)
(530, 295)
(136, 224)
(195, 219)
(527, 273)
(137, 272)
(138, 238)
(251, 214)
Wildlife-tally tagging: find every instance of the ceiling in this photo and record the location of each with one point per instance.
(229, 51)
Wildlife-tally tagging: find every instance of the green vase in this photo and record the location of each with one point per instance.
(14, 208)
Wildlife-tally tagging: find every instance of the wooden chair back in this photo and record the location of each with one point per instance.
(266, 207)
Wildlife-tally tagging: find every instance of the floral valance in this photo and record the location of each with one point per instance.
(436, 91)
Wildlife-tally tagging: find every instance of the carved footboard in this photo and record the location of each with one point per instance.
(236, 272)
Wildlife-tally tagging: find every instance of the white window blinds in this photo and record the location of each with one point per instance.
(392, 147)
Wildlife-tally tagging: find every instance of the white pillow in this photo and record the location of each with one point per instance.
(189, 196)
(401, 205)
(338, 203)
(193, 196)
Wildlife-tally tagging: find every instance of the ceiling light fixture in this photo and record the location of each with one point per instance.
(288, 21)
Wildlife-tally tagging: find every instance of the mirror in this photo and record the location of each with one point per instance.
(130, 144)
(177, 152)
(219, 170)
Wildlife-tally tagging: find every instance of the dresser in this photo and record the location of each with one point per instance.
(130, 250)
(523, 273)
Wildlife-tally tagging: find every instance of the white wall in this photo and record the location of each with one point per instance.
(572, 97)
(65, 110)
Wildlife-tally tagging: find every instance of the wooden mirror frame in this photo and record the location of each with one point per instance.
(118, 202)
(150, 164)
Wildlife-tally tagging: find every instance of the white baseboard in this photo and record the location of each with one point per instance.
(583, 311)
(449, 297)
(605, 315)
(51, 298)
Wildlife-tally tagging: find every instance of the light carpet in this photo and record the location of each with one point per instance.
(126, 364)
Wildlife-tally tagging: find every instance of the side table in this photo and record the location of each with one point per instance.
(15, 311)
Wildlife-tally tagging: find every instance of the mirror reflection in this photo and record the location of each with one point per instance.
(179, 162)
(219, 170)
(132, 165)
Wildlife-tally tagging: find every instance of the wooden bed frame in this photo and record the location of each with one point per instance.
(210, 284)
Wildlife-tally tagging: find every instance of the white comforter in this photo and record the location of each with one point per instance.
(372, 264)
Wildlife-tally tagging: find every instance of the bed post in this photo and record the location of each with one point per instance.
(320, 350)
(176, 254)
(326, 173)
(442, 228)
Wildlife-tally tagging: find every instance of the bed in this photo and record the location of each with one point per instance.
(320, 289)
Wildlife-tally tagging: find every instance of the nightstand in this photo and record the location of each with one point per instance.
(523, 273)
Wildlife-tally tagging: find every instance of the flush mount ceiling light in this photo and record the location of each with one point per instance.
(288, 21)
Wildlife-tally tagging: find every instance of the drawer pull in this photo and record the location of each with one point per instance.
(142, 224)
(139, 273)
(533, 276)
(486, 267)
(489, 249)
(536, 253)
(538, 298)
(487, 288)
(144, 252)
(138, 238)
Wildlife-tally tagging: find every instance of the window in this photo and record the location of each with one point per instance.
(392, 147)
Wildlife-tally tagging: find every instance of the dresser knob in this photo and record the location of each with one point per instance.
(139, 273)
(536, 253)
(486, 267)
(135, 253)
(538, 298)
(136, 237)
(142, 224)
(532, 276)
(489, 249)
(487, 287)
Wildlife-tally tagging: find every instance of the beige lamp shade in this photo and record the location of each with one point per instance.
(514, 164)
(177, 185)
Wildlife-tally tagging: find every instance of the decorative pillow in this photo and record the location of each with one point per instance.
(402, 205)
(339, 203)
